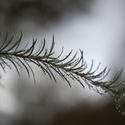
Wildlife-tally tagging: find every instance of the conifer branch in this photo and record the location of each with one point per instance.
(74, 68)
(71, 67)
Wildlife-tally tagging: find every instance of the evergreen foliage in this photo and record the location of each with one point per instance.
(70, 67)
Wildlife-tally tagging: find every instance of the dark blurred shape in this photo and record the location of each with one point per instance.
(41, 105)
(84, 114)
(42, 12)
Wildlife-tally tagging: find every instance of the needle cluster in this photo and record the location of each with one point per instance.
(69, 67)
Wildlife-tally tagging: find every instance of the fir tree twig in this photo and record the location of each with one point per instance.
(71, 67)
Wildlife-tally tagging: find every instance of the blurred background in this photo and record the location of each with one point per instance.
(96, 27)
